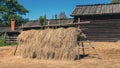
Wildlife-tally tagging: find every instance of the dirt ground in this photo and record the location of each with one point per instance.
(109, 51)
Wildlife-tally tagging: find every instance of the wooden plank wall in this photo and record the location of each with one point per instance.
(102, 30)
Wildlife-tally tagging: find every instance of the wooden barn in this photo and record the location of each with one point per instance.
(104, 21)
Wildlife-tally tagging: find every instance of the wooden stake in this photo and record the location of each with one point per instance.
(83, 49)
(15, 50)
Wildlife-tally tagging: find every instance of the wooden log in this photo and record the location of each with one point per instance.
(62, 25)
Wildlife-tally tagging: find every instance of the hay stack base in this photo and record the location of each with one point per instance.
(59, 44)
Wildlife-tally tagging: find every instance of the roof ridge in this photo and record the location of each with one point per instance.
(98, 4)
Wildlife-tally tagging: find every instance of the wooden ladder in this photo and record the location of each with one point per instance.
(82, 46)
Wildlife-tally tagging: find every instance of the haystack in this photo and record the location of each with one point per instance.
(57, 44)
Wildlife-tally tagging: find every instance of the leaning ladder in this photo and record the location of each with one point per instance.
(82, 46)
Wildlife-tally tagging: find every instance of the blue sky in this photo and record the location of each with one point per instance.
(49, 8)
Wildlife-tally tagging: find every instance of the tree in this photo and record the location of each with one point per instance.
(56, 17)
(21, 20)
(11, 10)
(115, 1)
(62, 15)
(42, 20)
(45, 23)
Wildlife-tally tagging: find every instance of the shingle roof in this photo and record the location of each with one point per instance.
(32, 23)
(51, 21)
(98, 9)
(8, 29)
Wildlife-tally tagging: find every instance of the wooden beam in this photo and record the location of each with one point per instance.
(61, 25)
(83, 49)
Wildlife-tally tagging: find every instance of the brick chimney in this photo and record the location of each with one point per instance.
(12, 25)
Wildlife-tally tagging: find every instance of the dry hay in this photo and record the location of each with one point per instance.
(57, 44)
(6, 51)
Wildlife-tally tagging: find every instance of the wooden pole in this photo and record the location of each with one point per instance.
(78, 20)
(22, 27)
(48, 24)
(15, 50)
(83, 49)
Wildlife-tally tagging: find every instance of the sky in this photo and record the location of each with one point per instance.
(49, 8)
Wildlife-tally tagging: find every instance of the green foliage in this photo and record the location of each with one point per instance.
(45, 23)
(3, 41)
(115, 1)
(56, 16)
(43, 20)
(21, 20)
(11, 10)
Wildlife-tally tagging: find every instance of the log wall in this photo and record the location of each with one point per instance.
(102, 30)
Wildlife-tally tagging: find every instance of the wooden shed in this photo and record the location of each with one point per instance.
(104, 21)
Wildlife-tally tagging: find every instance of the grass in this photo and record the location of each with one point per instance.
(3, 42)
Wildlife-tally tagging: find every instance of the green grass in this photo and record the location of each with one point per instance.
(4, 43)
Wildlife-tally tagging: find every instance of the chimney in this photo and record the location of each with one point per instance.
(12, 25)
